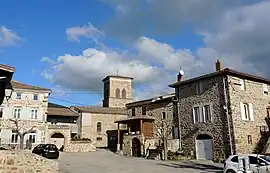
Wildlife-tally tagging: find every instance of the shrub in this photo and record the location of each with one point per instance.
(81, 139)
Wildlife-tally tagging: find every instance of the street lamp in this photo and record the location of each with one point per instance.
(8, 91)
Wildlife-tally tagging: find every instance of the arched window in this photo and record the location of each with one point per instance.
(99, 127)
(124, 93)
(117, 93)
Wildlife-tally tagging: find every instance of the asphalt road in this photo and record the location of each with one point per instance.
(103, 161)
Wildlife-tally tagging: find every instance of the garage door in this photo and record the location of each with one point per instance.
(204, 149)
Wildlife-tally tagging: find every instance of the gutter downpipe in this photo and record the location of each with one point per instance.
(227, 113)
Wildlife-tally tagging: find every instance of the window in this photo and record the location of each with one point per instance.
(133, 111)
(175, 131)
(35, 97)
(14, 137)
(199, 88)
(143, 110)
(124, 93)
(99, 138)
(17, 113)
(247, 111)
(1, 112)
(196, 114)
(19, 96)
(117, 93)
(207, 113)
(253, 160)
(34, 114)
(163, 115)
(265, 89)
(99, 127)
(235, 159)
(249, 139)
(242, 84)
(32, 138)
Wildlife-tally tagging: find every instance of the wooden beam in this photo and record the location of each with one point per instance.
(141, 126)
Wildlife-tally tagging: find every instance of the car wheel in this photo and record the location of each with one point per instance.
(230, 171)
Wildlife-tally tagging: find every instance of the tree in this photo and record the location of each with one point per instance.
(21, 131)
(163, 130)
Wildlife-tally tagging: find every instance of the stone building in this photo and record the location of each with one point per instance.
(28, 105)
(142, 124)
(62, 125)
(98, 123)
(222, 113)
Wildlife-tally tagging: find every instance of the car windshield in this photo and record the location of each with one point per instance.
(266, 158)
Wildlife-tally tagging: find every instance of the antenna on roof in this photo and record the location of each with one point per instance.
(117, 72)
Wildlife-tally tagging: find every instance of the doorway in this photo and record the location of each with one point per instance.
(204, 147)
(136, 147)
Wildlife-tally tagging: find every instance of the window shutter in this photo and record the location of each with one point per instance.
(242, 111)
(242, 85)
(251, 114)
(193, 111)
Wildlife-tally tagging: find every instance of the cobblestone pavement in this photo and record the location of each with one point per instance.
(103, 161)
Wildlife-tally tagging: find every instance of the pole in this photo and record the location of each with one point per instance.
(227, 114)
(179, 126)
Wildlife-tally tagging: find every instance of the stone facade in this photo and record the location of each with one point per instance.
(153, 109)
(61, 130)
(114, 84)
(217, 128)
(252, 94)
(80, 146)
(23, 161)
(90, 122)
(248, 99)
(28, 104)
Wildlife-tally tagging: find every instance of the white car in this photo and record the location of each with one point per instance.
(258, 163)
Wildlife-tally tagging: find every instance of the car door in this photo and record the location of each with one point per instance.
(257, 165)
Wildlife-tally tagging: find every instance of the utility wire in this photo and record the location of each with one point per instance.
(75, 103)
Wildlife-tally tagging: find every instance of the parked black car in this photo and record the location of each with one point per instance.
(49, 151)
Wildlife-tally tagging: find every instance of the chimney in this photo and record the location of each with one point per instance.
(180, 76)
(219, 65)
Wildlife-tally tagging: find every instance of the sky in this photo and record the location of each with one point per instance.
(70, 46)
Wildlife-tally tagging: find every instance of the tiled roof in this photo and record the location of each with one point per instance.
(7, 68)
(226, 71)
(149, 101)
(101, 110)
(18, 85)
(115, 76)
(135, 118)
(59, 110)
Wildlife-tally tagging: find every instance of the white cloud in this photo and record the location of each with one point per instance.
(238, 34)
(8, 37)
(88, 31)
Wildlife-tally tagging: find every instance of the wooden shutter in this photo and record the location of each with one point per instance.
(242, 111)
(251, 114)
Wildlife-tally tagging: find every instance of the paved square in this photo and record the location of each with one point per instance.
(104, 161)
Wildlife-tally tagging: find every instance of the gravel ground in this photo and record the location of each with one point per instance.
(103, 161)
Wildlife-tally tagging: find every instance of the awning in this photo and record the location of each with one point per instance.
(126, 120)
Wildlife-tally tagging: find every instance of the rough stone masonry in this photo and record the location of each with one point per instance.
(26, 162)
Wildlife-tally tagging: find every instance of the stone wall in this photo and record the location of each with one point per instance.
(23, 161)
(120, 83)
(145, 143)
(218, 129)
(80, 146)
(89, 130)
(252, 94)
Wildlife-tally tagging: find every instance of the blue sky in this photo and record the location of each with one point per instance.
(143, 44)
